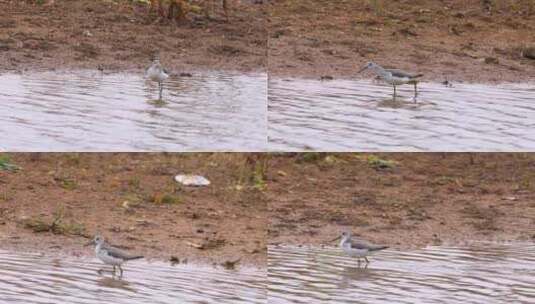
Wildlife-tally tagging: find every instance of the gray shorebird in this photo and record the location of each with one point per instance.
(393, 76)
(110, 255)
(157, 73)
(357, 248)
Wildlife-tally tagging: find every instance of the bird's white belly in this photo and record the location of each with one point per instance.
(107, 259)
(356, 252)
(399, 80)
(156, 74)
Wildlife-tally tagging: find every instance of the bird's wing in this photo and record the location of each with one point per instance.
(116, 252)
(361, 244)
(400, 73)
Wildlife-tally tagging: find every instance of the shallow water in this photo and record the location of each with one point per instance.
(92, 111)
(33, 278)
(346, 115)
(482, 273)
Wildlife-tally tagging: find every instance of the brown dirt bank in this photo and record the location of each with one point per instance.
(118, 35)
(422, 199)
(456, 39)
(86, 193)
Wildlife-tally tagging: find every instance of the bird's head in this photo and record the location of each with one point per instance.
(155, 56)
(344, 235)
(98, 239)
(369, 65)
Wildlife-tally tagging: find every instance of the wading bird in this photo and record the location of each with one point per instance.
(393, 76)
(157, 73)
(111, 255)
(357, 248)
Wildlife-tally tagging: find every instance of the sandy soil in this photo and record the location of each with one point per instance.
(118, 35)
(422, 199)
(457, 40)
(406, 200)
(87, 193)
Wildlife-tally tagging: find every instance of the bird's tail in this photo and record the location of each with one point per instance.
(135, 257)
(417, 75)
(377, 248)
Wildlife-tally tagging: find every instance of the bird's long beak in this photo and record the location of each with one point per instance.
(336, 238)
(363, 69)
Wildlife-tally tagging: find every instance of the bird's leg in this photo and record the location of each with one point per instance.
(415, 91)
(160, 88)
(121, 271)
(366, 259)
(358, 262)
(394, 92)
(113, 268)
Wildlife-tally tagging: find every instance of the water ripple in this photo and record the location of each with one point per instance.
(483, 273)
(33, 278)
(90, 111)
(345, 115)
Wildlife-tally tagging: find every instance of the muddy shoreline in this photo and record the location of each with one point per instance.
(56, 202)
(119, 36)
(405, 200)
(455, 41)
(459, 41)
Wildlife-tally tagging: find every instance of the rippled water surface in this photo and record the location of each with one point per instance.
(347, 115)
(482, 273)
(32, 278)
(92, 111)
